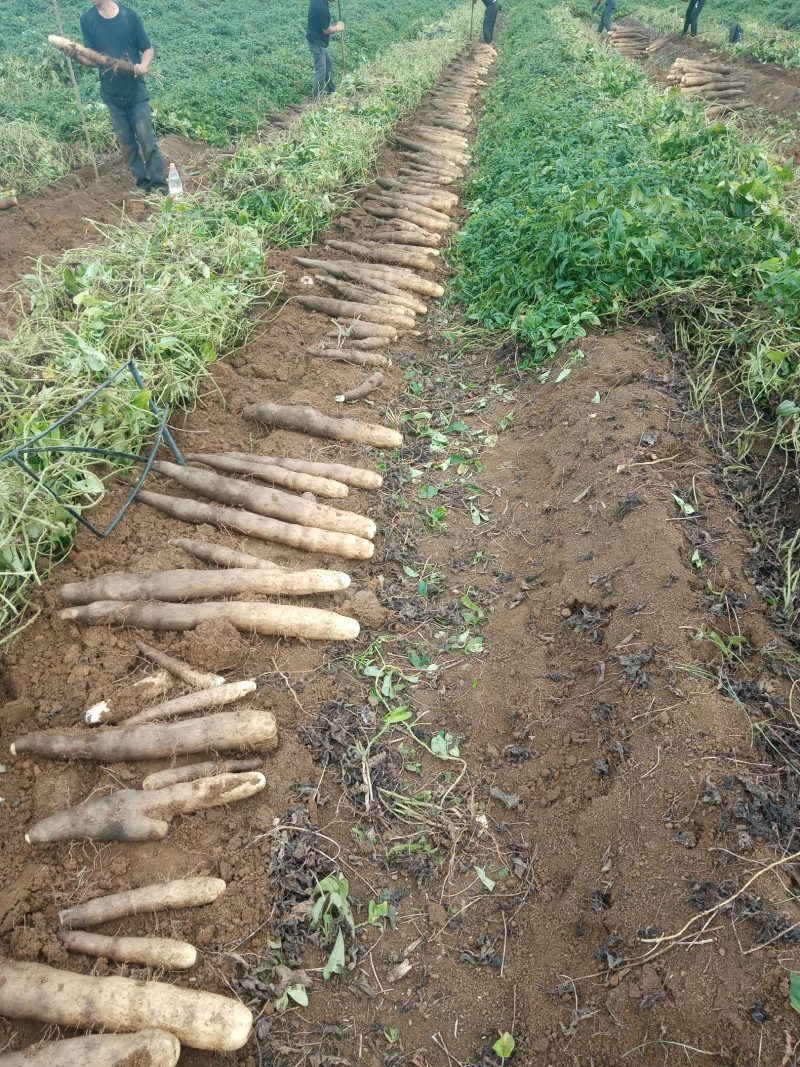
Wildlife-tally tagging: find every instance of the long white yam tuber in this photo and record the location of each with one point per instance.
(159, 896)
(305, 419)
(147, 1048)
(263, 500)
(361, 272)
(88, 57)
(275, 620)
(221, 555)
(334, 308)
(191, 771)
(179, 669)
(407, 237)
(358, 477)
(362, 294)
(357, 328)
(200, 700)
(158, 952)
(349, 355)
(187, 584)
(247, 522)
(390, 257)
(363, 344)
(248, 728)
(63, 998)
(272, 473)
(415, 204)
(142, 815)
(369, 385)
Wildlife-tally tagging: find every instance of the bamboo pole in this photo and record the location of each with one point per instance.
(78, 100)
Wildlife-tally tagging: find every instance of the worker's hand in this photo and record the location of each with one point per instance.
(139, 69)
(339, 26)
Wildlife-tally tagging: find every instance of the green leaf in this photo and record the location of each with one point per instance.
(563, 373)
(410, 572)
(378, 912)
(596, 398)
(687, 509)
(298, 995)
(484, 877)
(504, 1046)
(786, 409)
(336, 960)
(401, 714)
(794, 990)
(697, 559)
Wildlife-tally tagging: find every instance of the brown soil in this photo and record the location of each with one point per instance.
(610, 787)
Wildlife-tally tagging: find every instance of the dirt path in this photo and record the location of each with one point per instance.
(571, 781)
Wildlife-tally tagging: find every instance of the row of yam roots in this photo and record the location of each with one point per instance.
(713, 81)
(378, 288)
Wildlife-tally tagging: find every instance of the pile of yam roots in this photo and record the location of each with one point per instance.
(714, 82)
(372, 295)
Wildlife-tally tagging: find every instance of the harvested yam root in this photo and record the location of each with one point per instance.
(390, 257)
(271, 472)
(358, 477)
(349, 355)
(363, 344)
(363, 295)
(63, 998)
(274, 620)
(249, 728)
(355, 328)
(356, 271)
(272, 503)
(367, 312)
(221, 555)
(179, 669)
(150, 1048)
(199, 770)
(407, 237)
(375, 381)
(190, 584)
(247, 522)
(194, 703)
(141, 815)
(160, 896)
(158, 952)
(305, 419)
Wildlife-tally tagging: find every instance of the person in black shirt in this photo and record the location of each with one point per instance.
(318, 30)
(489, 18)
(117, 31)
(692, 15)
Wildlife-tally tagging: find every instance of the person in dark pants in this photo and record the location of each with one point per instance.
(607, 16)
(117, 31)
(489, 18)
(318, 30)
(692, 15)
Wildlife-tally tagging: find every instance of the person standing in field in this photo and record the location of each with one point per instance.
(692, 15)
(609, 7)
(489, 18)
(117, 31)
(318, 30)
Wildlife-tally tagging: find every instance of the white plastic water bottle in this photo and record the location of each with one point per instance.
(174, 183)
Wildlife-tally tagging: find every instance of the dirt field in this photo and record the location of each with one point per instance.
(585, 774)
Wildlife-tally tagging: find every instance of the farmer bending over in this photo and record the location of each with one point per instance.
(318, 30)
(117, 31)
(608, 12)
(489, 18)
(692, 15)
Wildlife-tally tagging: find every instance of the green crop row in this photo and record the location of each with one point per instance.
(771, 31)
(174, 294)
(220, 68)
(598, 196)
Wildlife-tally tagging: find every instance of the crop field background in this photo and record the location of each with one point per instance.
(220, 68)
(771, 29)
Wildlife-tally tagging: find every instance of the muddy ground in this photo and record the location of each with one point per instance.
(586, 770)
